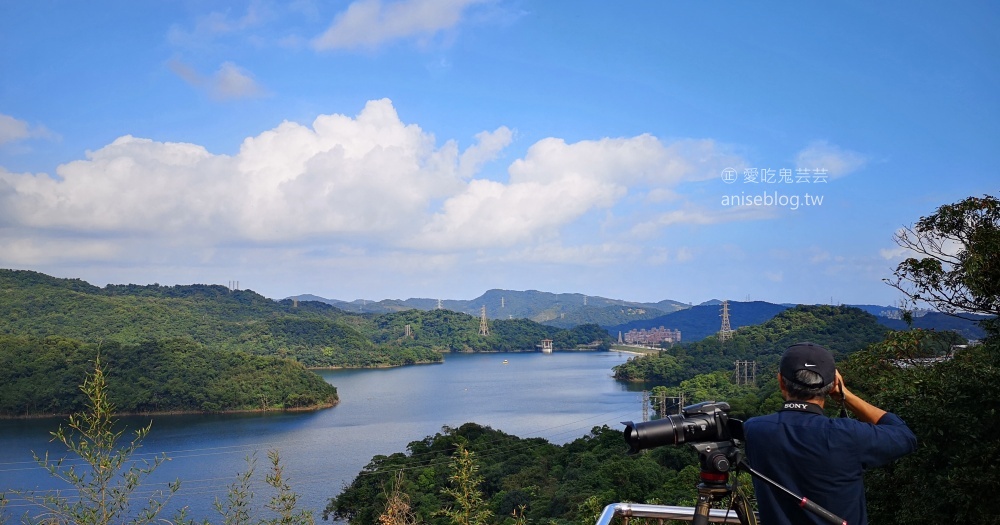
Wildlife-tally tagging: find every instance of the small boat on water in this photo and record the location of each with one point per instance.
(506, 362)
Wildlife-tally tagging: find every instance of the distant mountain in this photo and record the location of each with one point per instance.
(699, 322)
(561, 310)
(967, 328)
(567, 310)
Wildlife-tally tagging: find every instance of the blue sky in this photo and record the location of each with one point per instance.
(440, 148)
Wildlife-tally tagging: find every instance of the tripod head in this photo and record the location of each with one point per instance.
(717, 459)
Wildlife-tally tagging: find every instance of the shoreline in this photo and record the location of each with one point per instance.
(313, 408)
(635, 350)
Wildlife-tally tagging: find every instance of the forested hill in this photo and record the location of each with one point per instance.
(313, 333)
(842, 329)
(41, 376)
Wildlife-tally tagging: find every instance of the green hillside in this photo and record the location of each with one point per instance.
(313, 333)
(41, 376)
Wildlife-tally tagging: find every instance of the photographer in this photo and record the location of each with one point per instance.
(822, 459)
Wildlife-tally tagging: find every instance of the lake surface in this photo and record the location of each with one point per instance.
(558, 396)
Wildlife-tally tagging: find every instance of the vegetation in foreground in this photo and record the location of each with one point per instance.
(105, 477)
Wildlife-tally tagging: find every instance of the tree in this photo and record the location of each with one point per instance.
(284, 501)
(397, 505)
(109, 478)
(950, 402)
(953, 409)
(465, 480)
(958, 268)
(238, 508)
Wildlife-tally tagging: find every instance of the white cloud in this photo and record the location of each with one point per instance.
(660, 256)
(699, 216)
(13, 130)
(370, 23)
(837, 162)
(232, 81)
(817, 255)
(897, 252)
(583, 255)
(29, 251)
(215, 24)
(556, 183)
(488, 146)
(228, 82)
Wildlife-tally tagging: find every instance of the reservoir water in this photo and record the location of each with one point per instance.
(559, 397)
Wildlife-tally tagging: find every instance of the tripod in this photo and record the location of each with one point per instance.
(717, 459)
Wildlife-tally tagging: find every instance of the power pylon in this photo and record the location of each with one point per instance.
(726, 332)
(484, 327)
(746, 373)
(645, 406)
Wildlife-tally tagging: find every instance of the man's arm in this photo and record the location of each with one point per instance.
(862, 409)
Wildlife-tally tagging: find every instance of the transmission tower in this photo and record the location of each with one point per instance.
(726, 333)
(675, 401)
(484, 327)
(439, 307)
(645, 406)
(746, 373)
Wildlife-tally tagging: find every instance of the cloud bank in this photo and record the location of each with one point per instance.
(369, 182)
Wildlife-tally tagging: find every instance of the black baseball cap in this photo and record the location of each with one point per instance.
(808, 356)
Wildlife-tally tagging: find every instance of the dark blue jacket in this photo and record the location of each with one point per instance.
(821, 459)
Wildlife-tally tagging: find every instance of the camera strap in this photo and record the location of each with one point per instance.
(802, 406)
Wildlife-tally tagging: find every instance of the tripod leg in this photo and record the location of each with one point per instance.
(743, 509)
(701, 510)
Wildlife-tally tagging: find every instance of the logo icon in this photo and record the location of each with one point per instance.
(729, 175)
(809, 364)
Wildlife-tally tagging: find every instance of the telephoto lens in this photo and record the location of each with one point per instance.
(705, 421)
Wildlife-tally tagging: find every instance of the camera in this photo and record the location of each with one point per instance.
(703, 422)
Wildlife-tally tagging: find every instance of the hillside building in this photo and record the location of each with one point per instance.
(653, 336)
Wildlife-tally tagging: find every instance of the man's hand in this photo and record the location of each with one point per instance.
(863, 410)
